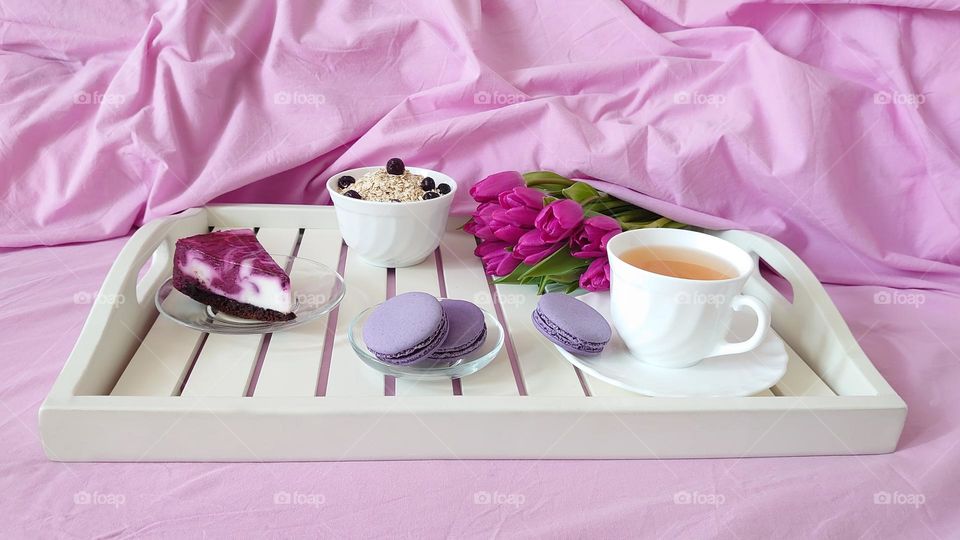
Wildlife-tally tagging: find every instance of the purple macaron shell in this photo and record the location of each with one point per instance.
(571, 324)
(406, 328)
(468, 330)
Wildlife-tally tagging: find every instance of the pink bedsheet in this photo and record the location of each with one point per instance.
(915, 346)
(830, 127)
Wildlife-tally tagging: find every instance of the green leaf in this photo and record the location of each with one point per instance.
(515, 276)
(581, 192)
(637, 215)
(551, 189)
(572, 276)
(610, 206)
(663, 222)
(535, 178)
(542, 285)
(573, 286)
(560, 262)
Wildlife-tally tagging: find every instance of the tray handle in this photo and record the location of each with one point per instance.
(123, 310)
(811, 320)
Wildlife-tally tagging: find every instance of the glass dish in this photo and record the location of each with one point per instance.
(316, 288)
(427, 369)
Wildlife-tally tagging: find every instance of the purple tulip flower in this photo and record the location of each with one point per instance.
(520, 206)
(590, 241)
(490, 188)
(559, 220)
(532, 248)
(497, 261)
(597, 276)
(483, 225)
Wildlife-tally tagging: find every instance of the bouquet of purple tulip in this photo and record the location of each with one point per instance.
(549, 230)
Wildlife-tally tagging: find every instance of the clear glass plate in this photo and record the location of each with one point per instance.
(425, 370)
(316, 288)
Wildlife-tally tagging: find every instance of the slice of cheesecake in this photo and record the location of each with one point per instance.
(231, 272)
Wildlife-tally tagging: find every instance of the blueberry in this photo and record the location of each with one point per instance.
(352, 194)
(345, 181)
(444, 189)
(427, 184)
(430, 195)
(395, 166)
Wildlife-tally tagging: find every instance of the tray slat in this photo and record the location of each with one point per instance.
(291, 366)
(226, 362)
(800, 380)
(177, 345)
(465, 280)
(544, 370)
(366, 286)
(422, 277)
(163, 358)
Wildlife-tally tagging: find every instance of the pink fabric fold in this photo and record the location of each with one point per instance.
(831, 127)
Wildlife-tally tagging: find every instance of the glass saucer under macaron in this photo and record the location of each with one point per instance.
(427, 369)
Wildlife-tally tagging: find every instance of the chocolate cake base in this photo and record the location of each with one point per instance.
(228, 306)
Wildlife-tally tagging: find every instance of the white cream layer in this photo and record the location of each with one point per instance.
(259, 290)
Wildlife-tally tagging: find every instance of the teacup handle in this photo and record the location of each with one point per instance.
(739, 302)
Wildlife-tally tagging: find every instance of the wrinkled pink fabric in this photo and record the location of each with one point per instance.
(832, 127)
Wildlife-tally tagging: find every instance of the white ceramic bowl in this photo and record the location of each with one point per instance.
(392, 234)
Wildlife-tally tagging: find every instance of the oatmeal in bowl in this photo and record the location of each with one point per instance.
(393, 183)
(392, 216)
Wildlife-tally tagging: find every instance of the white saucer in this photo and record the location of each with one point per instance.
(741, 374)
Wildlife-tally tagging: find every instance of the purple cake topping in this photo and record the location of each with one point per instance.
(231, 271)
(230, 253)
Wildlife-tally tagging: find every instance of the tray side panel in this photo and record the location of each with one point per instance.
(379, 429)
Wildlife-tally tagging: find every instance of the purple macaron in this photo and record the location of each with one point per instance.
(571, 324)
(467, 332)
(406, 328)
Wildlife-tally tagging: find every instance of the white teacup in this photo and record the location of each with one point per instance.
(673, 321)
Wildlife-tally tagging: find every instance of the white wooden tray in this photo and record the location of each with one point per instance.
(141, 388)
